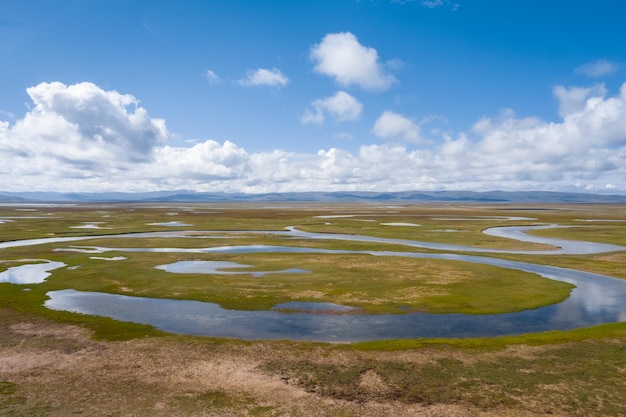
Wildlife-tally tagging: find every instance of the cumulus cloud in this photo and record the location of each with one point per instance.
(341, 106)
(597, 68)
(82, 124)
(204, 161)
(573, 99)
(586, 143)
(83, 138)
(262, 76)
(342, 57)
(392, 125)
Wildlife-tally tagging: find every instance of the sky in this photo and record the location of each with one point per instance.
(283, 96)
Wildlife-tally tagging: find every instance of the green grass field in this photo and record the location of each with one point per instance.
(387, 285)
(580, 372)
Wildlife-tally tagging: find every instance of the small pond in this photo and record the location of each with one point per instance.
(170, 224)
(217, 267)
(29, 273)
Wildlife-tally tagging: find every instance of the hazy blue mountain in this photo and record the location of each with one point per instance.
(398, 197)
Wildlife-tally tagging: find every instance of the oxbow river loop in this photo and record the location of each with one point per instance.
(596, 299)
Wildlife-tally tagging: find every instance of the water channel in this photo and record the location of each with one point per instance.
(596, 299)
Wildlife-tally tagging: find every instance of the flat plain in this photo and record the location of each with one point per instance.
(57, 363)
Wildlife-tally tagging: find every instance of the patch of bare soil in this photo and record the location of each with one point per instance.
(52, 369)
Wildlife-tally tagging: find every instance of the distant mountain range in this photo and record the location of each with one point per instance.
(397, 197)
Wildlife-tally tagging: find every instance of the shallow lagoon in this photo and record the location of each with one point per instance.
(170, 224)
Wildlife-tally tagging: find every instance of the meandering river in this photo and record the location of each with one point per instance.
(596, 299)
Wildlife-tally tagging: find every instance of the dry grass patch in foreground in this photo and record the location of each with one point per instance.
(58, 370)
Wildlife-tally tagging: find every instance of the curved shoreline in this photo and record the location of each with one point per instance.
(562, 246)
(596, 299)
(566, 247)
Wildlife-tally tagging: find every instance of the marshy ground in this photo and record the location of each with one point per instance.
(59, 364)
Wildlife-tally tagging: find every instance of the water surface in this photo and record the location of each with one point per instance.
(562, 246)
(217, 267)
(597, 299)
(30, 273)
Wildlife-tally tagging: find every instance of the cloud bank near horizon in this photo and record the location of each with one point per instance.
(83, 138)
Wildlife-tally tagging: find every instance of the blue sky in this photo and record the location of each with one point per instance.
(258, 96)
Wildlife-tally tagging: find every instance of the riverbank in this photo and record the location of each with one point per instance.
(52, 369)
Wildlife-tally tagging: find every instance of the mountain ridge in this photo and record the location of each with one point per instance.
(417, 196)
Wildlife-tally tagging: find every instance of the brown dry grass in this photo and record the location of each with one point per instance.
(59, 370)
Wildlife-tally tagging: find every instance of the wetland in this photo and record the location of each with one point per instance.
(503, 288)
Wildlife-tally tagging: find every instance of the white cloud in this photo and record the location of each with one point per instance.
(8, 114)
(432, 3)
(597, 68)
(83, 138)
(262, 76)
(341, 106)
(572, 100)
(204, 161)
(212, 77)
(392, 125)
(82, 124)
(342, 57)
(584, 144)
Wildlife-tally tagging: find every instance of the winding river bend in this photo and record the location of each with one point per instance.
(596, 299)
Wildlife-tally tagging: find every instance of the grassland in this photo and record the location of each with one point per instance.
(57, 363)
